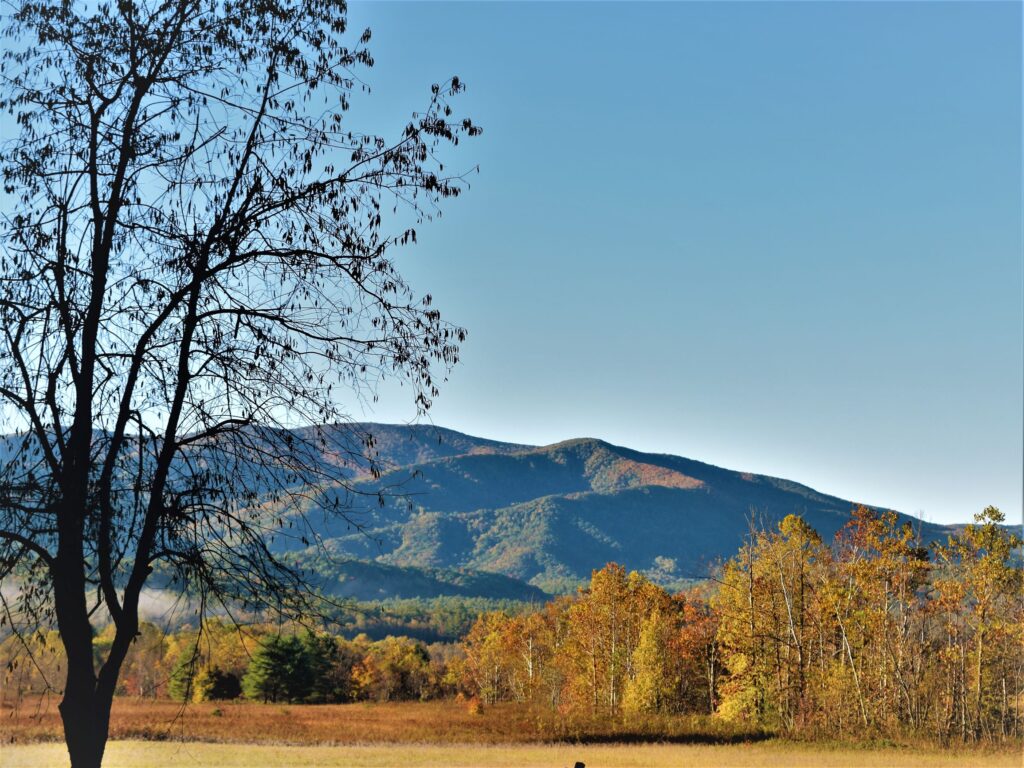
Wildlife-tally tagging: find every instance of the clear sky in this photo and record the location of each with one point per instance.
(781, 238)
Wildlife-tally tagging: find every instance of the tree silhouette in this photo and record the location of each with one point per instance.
(195, 263)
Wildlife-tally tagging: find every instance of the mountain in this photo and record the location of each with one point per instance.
(548, 515)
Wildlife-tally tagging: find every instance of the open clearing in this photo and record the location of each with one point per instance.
(138, 754)
(408, 722)
(156, 734)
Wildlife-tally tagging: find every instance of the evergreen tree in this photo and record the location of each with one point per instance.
(279, 671)
(329, 673)
(180, 686)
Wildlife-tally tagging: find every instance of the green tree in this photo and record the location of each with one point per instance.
(330, 671)
(279, 671)
(181, 684)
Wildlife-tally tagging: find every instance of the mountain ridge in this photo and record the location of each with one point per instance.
(437, 512)
(548, 515)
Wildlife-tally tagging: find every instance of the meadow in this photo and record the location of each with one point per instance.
(438, 722)
(148, 733)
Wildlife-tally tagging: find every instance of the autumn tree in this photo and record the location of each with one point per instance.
(143, 673)
(650, 686)
(694, 647)
(595, 649)
(32, 662)
(393, 669)
(488, 658)
(530, 640)
(871, 636)
(603, 630)
(196, 259)
(768, 625)
(511, 658)
(980, 589)
(875, 596)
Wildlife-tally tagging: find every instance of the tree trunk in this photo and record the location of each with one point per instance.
(86, 720)
(979, 725)
(85, 707)
(85, 725)
(711, 669)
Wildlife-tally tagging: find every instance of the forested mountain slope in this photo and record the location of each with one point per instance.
(549, 515)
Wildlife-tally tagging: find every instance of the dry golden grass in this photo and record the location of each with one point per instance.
(439, 722)
(148, 733)
(134, 754)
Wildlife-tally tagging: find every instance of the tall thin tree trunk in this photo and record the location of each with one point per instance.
(979, 724)
(853, 667)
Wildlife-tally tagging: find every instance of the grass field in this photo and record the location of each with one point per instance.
(770, 754)
(438, 722)
(440, 734)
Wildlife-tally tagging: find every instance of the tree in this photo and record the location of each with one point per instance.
(487, 657)
(603, 631)
(394, 668)
(695, 646)
(767, 624)
(330, 671)
(142, 672)
(279, 671)
(650, 687)
(197, 260)
(874, 594)
(181, 683)
(980, 589)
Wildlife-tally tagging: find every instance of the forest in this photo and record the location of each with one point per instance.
(868, 636)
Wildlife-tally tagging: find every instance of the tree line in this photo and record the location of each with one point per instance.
(220, 661)
(869, 635)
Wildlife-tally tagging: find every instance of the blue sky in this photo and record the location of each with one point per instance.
(778, 237)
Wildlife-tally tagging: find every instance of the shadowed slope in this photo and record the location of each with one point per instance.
(551, 514)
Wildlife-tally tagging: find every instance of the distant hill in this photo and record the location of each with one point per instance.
(548, 515)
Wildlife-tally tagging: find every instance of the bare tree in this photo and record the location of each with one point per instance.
(194, 263)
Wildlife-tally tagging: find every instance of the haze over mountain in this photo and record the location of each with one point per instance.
(547, 515)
